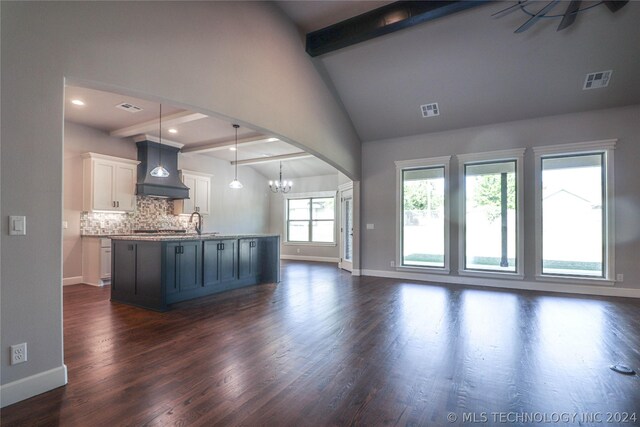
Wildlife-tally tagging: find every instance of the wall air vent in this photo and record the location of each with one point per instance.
(129, 107)
(597, 80)
(430, 110)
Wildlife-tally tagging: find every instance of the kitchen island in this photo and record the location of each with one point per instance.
(154, 271)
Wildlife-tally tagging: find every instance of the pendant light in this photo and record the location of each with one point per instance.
(235, 184)
(159, 171)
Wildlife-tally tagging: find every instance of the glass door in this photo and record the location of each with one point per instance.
(346, 230)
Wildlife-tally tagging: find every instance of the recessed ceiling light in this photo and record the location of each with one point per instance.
(172, 130)
(232, 148)
(77, 102)
(272, 140)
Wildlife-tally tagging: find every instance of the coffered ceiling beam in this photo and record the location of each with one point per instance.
(383, 20)
(175, 119)
(280, 158)
(223, 145)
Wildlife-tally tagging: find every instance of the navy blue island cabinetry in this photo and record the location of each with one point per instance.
(156, 271)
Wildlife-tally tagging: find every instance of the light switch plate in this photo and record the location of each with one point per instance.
(370, 226)
(17, 225)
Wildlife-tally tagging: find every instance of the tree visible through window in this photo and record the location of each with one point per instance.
(491, 211)
(423, 240)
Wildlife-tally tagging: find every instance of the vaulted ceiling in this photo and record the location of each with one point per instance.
(475, 67)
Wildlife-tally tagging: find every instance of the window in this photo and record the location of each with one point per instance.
(491, 213)
(311, 219)
(423, 214)
(573, 210)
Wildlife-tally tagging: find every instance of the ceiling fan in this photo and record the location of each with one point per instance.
(568, 17)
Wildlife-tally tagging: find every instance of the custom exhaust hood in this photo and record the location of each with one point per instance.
(170, 187)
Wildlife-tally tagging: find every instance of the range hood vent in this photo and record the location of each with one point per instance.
(168, 188)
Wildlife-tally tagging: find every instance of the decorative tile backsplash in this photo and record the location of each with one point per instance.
(150, 214)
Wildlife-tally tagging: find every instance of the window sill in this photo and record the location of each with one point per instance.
(308, 244)
(599, 281)
(435, 270)
(492, 274)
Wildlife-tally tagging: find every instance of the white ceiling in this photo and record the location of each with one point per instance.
(99, 112)
(476, 68)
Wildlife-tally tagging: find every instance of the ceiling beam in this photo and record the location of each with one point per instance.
(383, 20)
(280, 158)
(152, 125)
(221, 145)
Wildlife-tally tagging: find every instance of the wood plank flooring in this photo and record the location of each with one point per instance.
(325, 348)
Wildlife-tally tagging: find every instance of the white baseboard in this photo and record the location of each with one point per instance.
(31, 386)
(356, 272)
(71, 280)
(608, 291)
(310, 258)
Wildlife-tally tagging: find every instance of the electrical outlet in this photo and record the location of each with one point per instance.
(18, 353)
(392, 263)
(298, 250)
(619, 277)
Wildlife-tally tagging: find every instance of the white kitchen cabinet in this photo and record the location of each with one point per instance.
(109, 183)
(96, 261)
(199, 194)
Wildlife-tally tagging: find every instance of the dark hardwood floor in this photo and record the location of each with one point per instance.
(323, 348)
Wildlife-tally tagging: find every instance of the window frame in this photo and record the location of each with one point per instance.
(310, 196)
(605, 148)
(499, 156)
(401, 166)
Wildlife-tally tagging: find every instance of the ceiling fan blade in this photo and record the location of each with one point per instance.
(615, 6)
(570, 14)
(537, 16)
(508, 10)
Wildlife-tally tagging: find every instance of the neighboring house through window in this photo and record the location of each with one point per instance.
(574, 211)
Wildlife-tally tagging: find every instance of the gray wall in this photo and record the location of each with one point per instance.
(232, 211)
(378, 184)
(303, 185)
(239, 60)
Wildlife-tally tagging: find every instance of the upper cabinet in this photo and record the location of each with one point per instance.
(199, 194)
(109, 183)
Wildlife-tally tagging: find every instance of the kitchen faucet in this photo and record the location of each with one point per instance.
(199, 223)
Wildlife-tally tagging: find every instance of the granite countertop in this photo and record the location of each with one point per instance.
(187, 236)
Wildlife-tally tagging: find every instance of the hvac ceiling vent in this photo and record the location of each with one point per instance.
(597, 80)
(129, 107)
(430, 110)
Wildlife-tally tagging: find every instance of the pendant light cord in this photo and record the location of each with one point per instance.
(236, 163)
(160, 145)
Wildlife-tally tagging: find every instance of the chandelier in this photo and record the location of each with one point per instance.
(280, 186)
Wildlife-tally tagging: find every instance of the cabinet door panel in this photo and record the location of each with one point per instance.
(171, 267)
(245, 262)
(189, 204)
(125, 187)
(203, 193)
(103, 177)
(227, 260)
(190, 265)
(105, 263)
(124, 269)
(211, 271)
